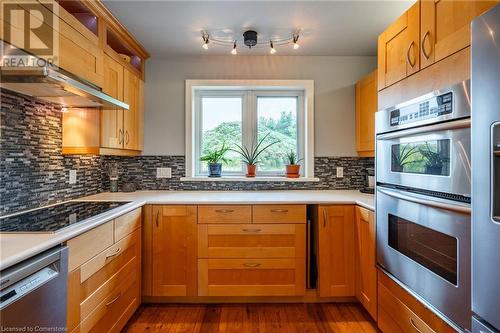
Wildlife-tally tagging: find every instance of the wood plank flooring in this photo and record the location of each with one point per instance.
(251, 318)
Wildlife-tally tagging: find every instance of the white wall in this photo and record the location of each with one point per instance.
(334, 79)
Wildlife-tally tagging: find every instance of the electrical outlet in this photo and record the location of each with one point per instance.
(72, 176)
(163, 172)
(340, 172)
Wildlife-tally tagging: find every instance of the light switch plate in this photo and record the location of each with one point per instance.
(340, 172)
(163, 172)
(72, 176)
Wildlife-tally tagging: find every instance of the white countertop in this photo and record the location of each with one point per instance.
(15, 247)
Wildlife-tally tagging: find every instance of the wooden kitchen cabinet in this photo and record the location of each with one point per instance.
(112, 119)
(400, 312)
(104, 276)
(445, 27)
(133, 93)
(365, 268)
(173, 248)
(399, 48)
(336, 250)
(366, 106)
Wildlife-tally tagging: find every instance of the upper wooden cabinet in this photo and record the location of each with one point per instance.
(366, 106)
(173, 246)
(366, 272)
(336, 250)
(133, 118)
(398, 48)
(445, 27)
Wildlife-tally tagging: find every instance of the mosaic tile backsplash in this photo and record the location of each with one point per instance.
(34, 173)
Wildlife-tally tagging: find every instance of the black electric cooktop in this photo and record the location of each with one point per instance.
(57, 217)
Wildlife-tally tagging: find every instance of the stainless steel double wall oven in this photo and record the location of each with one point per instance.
(423, 173)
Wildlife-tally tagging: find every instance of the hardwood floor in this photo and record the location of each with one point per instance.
(251, 318)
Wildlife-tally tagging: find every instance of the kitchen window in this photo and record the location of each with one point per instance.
(242, 114)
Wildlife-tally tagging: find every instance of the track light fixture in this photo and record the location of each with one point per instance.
(206, 40)
(250, 40)
(273, 50)
(296, 45)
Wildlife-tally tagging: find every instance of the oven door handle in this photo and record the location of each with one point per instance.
(427, 201)
(457, 124)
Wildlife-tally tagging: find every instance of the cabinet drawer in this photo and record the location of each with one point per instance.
(84, 247)
(225, 214)
(251, 277)
(279, 214)
(127, 223)
(109, 315)
(398, 311)
(251, 240)
(108, 262)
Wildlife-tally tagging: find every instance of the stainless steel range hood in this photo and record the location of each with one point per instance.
(53, 85)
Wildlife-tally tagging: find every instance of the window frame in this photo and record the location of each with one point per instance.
(250, 91)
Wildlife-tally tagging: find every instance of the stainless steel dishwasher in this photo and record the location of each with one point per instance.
(33, 293)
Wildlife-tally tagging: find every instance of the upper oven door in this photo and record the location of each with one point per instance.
(434, 158)
(425, 243)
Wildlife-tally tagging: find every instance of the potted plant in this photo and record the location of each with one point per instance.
(434, 161)
(250, 156)
(292, 167)
(214, 159)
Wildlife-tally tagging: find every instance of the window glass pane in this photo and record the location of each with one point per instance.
(278, 117)
(427, 157)
(221, 122)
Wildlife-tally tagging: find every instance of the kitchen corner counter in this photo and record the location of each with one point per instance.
(15, 247)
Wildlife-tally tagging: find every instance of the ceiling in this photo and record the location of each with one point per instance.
(168, 28)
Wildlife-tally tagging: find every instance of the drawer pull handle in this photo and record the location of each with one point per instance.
(279, 210)
(118, 250)
(224, 210)
(412, 64)
(415, 326)
(426, 35)
(114, 299)
(251, 230)
(251, 264)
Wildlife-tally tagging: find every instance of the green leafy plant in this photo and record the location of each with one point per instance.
(403, 156)
(432, 159)
(292, 159)
(250, 156)
(216, 155)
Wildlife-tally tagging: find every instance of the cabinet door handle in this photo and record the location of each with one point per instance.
(224, 210)
(408, 54)
(251, 230)
(114, 299)
(415, 326)
(127, 138)
(157, 218)
(114, 253)
(120, 135)
(422, 45)
(251, 264)
(325, 217)
(279, 210)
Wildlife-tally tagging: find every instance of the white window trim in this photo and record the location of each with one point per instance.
(307, 86)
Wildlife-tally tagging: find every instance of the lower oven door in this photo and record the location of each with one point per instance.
(434, 158)
(425, 243)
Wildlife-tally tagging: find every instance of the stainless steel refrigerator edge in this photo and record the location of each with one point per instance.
(485, 77)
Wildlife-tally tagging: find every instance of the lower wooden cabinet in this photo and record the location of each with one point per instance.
(365, 268)
(251, 277)
(104, 284)
(174, 250)
(400, 312)
(336, 250)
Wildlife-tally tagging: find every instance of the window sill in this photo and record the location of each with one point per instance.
(248, 179)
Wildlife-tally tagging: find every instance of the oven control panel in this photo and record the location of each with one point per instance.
(428, 109)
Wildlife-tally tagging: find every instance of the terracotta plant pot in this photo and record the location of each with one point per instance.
(293, 171)
(251, 170)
